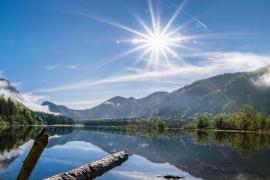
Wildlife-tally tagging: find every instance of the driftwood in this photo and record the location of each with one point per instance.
(93, 169)
(29, 163)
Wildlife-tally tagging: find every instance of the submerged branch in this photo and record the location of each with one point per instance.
(29, 163)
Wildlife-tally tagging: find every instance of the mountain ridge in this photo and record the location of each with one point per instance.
(221, 93)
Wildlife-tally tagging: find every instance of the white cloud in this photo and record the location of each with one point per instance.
(80, 105)
(56, 67)
(51, 67)
(3, 84)
(34, 102)
(208, 64)
(264, 80)
(1, 73)
(71, 66)
(9, 154)
(234, 61)
(78, 145)
(30, 100)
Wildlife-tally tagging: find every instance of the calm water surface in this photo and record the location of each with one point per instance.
(188, 154)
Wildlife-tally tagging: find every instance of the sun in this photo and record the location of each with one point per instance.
(156, 44)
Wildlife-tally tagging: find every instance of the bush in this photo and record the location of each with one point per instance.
(202, 122)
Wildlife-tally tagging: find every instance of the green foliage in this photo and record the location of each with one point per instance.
(220, 121)
(156, 123)
(202, 122)
(51, 119)
(246, 144)
(247, 119)
(15, 113)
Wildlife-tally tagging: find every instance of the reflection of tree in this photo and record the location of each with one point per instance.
(129, 131)
(60, 130)
(212, 160)
(245, 144)
(202, 137)
(10, 141)
(15, 136)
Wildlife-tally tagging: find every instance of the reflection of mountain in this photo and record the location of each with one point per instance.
(202, 160)
(15, 141)
(8, 156)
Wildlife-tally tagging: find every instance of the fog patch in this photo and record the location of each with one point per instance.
(30, 100)
(263, 80)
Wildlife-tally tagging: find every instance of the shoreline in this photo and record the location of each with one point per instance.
(144, 129)
(44, 125)
(182, 129)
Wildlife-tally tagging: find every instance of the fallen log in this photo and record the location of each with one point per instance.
(93, 169)
(29, 163)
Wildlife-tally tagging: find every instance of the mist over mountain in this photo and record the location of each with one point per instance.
(33, 102)
(7, 88)
(221, 93)
(20, 109)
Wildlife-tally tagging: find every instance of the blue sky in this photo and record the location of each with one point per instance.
(64, 51)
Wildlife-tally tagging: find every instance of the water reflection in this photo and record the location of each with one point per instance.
(246, 144)
(14, 141)
(190, 154)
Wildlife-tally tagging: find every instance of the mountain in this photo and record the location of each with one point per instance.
(14, 113)
(6, 85)
(13, 110)
(221, 93)
(64, 111)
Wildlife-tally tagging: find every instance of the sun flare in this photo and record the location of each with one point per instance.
(157, 43)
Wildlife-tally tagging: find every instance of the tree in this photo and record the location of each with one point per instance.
(248, 119)
(220, 122)
(202, 122)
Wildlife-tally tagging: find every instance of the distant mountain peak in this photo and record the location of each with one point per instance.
(222, 93)
(6, 85)
(120, 99)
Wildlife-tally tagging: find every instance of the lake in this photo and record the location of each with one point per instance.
(193, 155)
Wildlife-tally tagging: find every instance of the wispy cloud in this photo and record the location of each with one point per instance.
(71, 66)
(80, 105)
(57, 67)
(208, 64)
(51, 67)
(263, 80)
(28, 99)
(33, 102)
(1, 73)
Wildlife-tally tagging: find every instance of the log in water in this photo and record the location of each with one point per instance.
(93, 169)
(29, 163)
